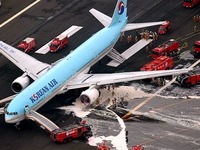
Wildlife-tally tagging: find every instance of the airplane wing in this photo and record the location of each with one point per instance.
(132, 26)
(33, 67)
(87, 80)
(104, 19)
(69, 32)
(118, 59)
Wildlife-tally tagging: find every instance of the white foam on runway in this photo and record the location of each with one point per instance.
(118, 142)
(78, 108)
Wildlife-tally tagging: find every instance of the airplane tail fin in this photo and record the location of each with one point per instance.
(120, 13)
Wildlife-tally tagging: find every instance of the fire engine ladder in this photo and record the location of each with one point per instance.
(115, 55)
(44, 122)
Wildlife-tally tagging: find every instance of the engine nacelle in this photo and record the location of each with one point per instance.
(20, 83)
(89, 96)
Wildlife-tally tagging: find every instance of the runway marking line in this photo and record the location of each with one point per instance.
(19, 13)
(149, 98)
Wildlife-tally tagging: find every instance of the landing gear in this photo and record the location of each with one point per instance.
(17, 126)
(159, 81)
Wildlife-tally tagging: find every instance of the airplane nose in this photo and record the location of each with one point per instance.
(8, 119)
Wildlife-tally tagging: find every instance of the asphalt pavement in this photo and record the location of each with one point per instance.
(48, 19)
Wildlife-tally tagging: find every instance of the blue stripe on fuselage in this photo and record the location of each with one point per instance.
(65, 69)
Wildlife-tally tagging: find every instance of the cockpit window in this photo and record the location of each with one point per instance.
(9, 113)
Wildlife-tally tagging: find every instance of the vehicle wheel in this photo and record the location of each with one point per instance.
(188, 85)
(175, 52)
(17, 128)
(83, 134)
(69, 139)
(65, 141)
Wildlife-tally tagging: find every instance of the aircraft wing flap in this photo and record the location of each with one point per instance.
(132, 26)
(116, 56)
(88, 80)
(33, 67)
(130, 52)
(69, 32)
(104, 19)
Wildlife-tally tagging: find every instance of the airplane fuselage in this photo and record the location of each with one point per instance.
(46, 87)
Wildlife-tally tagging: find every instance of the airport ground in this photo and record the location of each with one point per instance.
(48, 19)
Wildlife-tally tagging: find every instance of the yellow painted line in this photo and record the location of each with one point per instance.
(149, 98)
(19, 13)
(164, 87)
(196, 63)
(191, 34)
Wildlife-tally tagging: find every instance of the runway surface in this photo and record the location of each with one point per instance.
(166, 123)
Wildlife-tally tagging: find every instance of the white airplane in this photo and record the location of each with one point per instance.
(72, 71)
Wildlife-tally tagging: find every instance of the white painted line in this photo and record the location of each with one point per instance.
(19, 13)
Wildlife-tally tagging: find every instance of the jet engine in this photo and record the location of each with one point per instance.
(89, 96)
(20, 83)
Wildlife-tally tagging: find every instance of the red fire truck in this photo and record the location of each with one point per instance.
(161, 63)
(189, 79)
(67, 134)
(190, 3)
(27, 44)
(168, 48)
(197, 48)
(58, 43)
(164, 28)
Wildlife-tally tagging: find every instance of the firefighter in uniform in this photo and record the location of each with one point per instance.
(137, 147)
